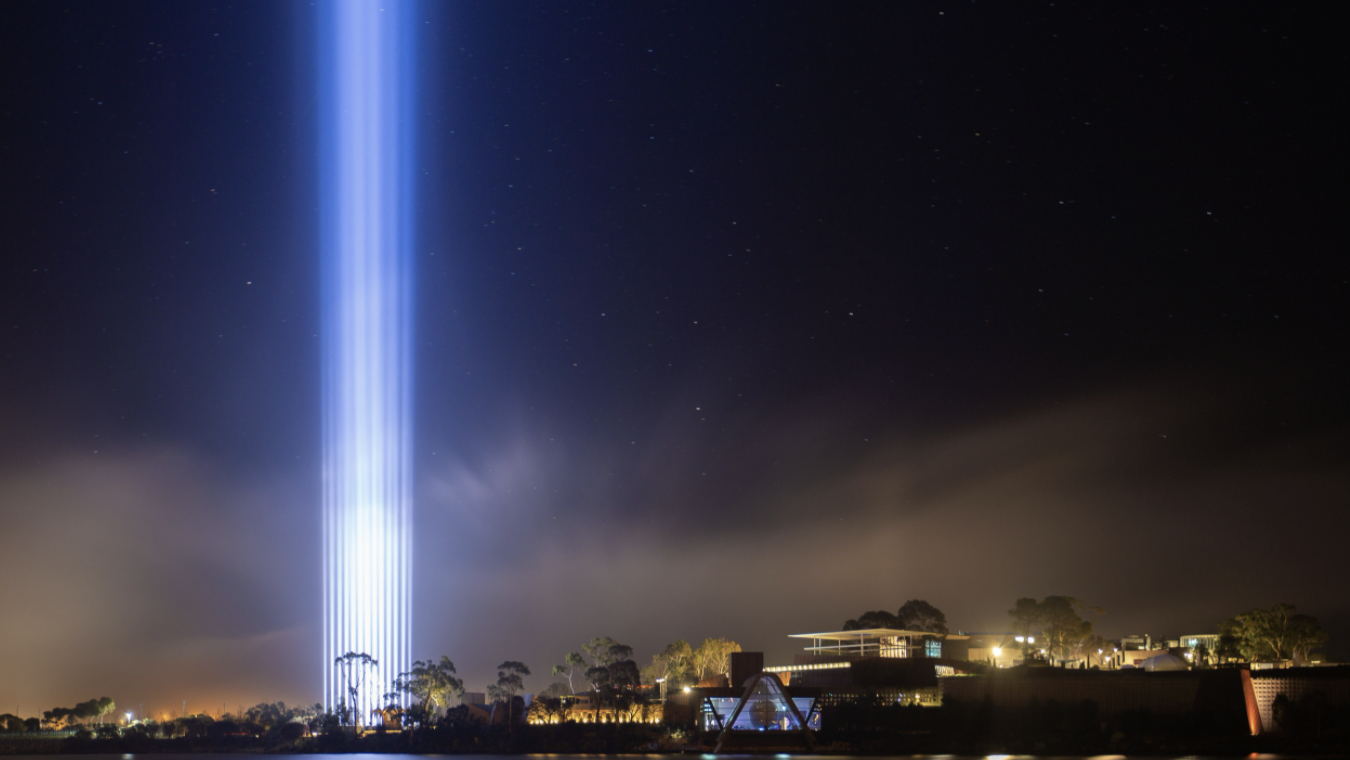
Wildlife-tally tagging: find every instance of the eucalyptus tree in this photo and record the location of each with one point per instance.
(433, 684)
(713, 657)
(573, 665)
(510, 681)
(1279, 633)
(672, 665)
(353, 667)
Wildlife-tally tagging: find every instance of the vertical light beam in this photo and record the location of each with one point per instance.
(366, 136)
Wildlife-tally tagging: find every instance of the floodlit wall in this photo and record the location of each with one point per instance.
(1298, 684)
(546, 711)
(1114, 693)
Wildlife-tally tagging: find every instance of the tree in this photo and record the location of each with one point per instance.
(555, 690)
(713, 657)
(599, 650)
(269, 715)
(614, 673)
(510, 680)
(433, 684)
(598, 675)
(1305, 635)
(674, 664)
(1093, 649)
(1279, 633)
(82, 713)
(618, 653)
(547, 709)
(1064, 628)
(1025, 614)
(624, 676)
(873, 619)
(573, 665)
(918, 615)
(1059, 621)
(55, 716)
(352, 668)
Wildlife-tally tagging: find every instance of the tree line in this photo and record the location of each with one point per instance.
(1279, 633)
(1067, 630)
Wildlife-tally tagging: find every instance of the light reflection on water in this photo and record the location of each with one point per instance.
(391, 756)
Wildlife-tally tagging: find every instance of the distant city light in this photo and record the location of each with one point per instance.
(366, 83)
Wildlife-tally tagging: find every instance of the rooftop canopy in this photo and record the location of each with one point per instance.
(872, 633)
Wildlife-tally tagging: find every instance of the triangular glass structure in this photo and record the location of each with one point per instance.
(764, 707)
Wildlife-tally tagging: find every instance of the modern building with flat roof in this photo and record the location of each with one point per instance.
(894, 664)
(886, 642)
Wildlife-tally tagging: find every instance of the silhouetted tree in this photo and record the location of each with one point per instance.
(1279, 633)
(353, 668)
(510, 680)
(918, 615)
(1063, 626)
(873, 619)
(1059, 621)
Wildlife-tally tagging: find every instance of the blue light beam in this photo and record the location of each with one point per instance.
(366, 142)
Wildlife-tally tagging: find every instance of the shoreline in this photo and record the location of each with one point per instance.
(643, 740)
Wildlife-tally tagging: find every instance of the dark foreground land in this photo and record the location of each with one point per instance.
(859, 729)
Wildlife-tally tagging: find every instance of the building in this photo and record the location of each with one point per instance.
(757, 712)
(999, 650)
(894, 664)
(1135, 642)
(1231, 700)
(886, 642)
(1300, 687)
(1200, 648)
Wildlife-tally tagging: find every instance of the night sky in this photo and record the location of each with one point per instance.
(734, 319)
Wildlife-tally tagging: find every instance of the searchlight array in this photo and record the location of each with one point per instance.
(366, 134)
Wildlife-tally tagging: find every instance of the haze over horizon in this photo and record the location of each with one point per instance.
(733, 321)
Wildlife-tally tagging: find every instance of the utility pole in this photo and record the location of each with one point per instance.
(185, 708)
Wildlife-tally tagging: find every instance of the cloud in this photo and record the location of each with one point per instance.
(1140, 500)
(149, 576)
(145, 577)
